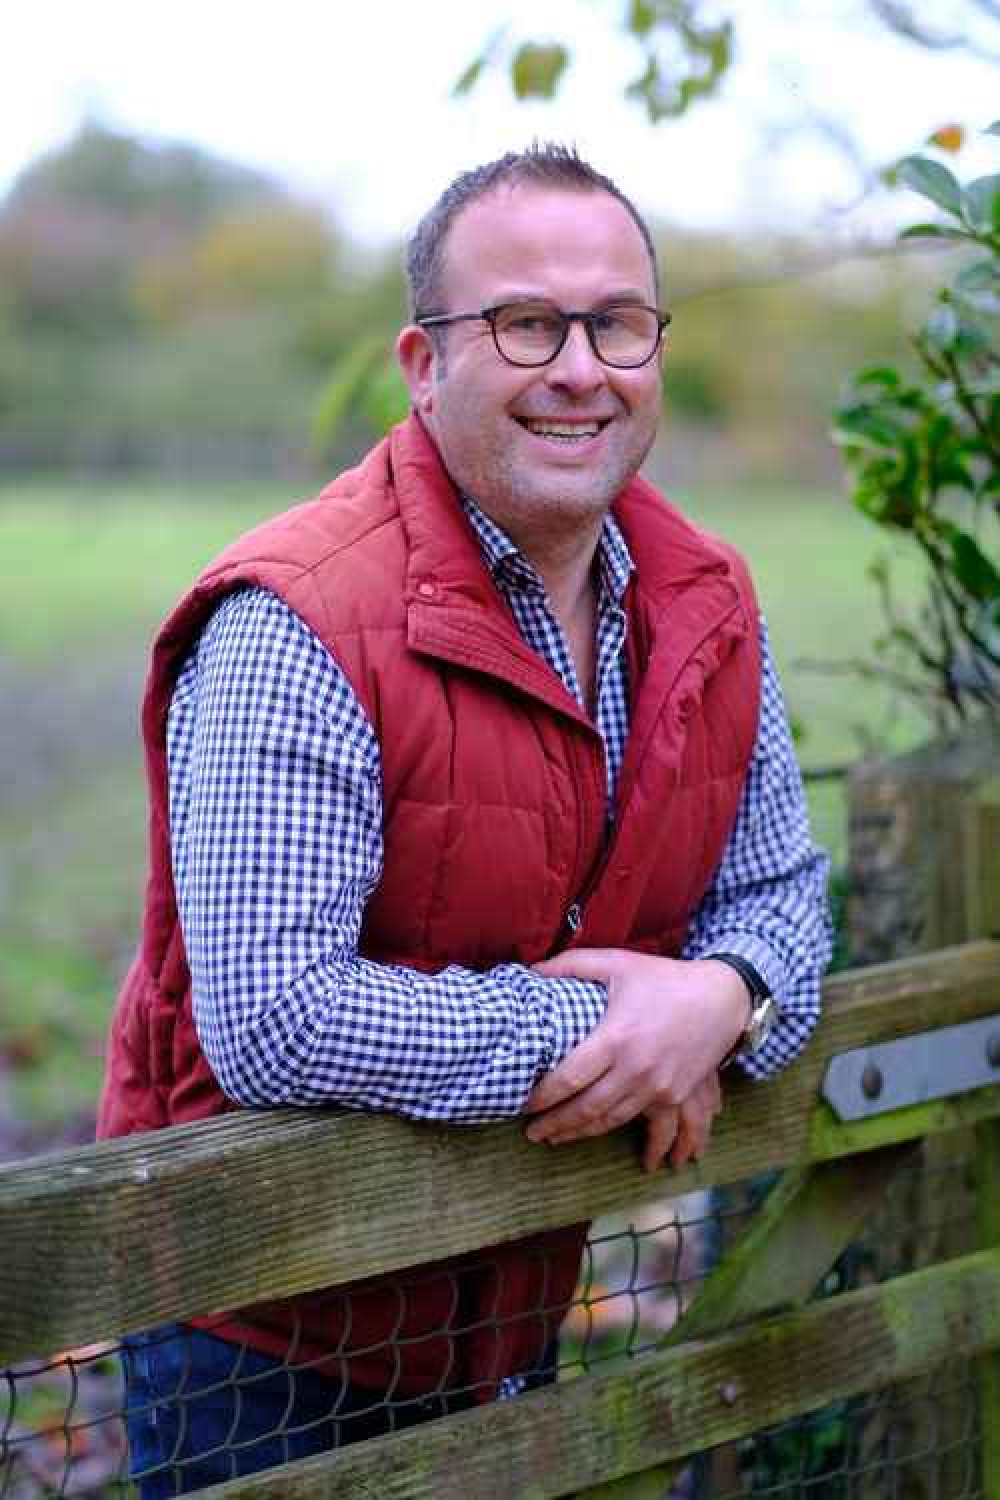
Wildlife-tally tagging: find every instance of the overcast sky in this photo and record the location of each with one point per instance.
(348, 100)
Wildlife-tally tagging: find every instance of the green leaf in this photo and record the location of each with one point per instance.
(863, 427)
(472, 74)
(973, 569)
(641, 17)
(347, 390)
(982, 203)
(384, 398)
(536, 69)
(932, 232)
(468, 80)
(981, 276)
(931, 180)
(889, 507)
(973, 337)
(883, 377)
(941, 328)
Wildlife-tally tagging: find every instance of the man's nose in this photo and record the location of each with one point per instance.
(576, 366)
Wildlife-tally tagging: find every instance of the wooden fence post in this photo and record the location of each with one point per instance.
(983, 880)
(919, 874)
(924, 872)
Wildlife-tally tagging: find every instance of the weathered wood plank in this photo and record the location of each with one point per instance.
(982, 873)
(558, 1441)
(908, 846)
(988, 1371)
(109, 1239)
(806, 1222)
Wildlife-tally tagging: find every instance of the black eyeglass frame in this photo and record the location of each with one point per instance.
(489, 315)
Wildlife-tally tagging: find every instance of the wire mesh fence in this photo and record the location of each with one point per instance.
(201, 1409)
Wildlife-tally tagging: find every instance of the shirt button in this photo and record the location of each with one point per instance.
(427, 590)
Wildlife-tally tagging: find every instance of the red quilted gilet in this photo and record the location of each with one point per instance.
(494, 803)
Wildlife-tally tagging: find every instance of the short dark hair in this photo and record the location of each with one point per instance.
(543, 164)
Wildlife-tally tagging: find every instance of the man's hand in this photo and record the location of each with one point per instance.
(668, 1025)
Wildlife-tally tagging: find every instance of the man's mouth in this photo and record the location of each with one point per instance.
(564, 431)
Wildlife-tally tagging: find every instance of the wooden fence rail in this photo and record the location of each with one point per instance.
(106, 1240)
(192, 1220)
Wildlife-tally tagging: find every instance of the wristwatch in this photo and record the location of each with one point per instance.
(764, 1008)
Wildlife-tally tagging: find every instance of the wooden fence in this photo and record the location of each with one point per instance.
(101, 1241)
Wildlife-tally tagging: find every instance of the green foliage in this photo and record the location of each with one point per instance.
(923, 455)
(683, 59)
(536, 69)
(366, 383)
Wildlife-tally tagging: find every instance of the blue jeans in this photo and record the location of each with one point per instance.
(200, 1410)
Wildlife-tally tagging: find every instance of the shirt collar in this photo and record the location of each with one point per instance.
(511, 568)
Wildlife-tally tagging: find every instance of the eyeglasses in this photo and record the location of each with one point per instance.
(624, 335)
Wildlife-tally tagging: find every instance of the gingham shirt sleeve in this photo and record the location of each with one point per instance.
(768, 901)
(276, 832)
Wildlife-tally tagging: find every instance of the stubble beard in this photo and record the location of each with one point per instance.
(526, 498)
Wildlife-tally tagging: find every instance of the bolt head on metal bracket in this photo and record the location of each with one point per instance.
(930, 1065)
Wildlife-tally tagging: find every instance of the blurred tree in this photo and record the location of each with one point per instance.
(160, 302)
(279, 254)
(131, 180)
(78, 220)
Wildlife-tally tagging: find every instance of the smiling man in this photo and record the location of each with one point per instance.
(473, 797)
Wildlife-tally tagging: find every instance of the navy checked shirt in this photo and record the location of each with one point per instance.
(276, 833)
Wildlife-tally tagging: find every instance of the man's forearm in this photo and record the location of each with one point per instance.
(456, 1046)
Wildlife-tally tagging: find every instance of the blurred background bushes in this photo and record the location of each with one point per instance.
(165, 311)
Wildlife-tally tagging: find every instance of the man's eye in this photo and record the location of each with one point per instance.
(532, 320)
(612, 320)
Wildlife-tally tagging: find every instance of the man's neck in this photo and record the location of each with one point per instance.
(567, 567)
(564, 560)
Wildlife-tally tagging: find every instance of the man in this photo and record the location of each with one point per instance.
(481, 803)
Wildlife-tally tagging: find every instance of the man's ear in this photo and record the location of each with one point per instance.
(416, 354)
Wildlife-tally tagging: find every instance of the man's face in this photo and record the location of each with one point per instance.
(579, 250)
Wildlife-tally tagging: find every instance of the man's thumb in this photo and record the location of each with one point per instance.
(580, 963)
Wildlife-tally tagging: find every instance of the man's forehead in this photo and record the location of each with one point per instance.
(520, 229)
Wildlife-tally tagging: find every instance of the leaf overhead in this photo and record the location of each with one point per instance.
(931, 232)
(982, 203)
(468, 79)
(931, 180)
(536, 69)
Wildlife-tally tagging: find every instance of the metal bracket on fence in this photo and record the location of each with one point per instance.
(930, 1065)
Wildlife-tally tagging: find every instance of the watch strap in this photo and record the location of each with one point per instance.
(751, 976)
(759, 991)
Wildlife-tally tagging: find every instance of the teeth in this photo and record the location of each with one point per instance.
(564, 429)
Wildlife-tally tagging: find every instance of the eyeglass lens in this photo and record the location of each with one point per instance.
(531, 333)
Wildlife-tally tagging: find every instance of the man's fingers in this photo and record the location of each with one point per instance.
(596, 1110)
(584, 1066)
(695, 1119)
(580, 963)
(661, 1131)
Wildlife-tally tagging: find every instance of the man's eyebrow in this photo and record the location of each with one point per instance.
(522, 294)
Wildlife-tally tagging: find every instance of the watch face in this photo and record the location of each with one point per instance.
(762, 1020)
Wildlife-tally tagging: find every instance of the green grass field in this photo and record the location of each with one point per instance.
(72, 641)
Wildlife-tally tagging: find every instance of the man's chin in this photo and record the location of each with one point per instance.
(584, 489)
